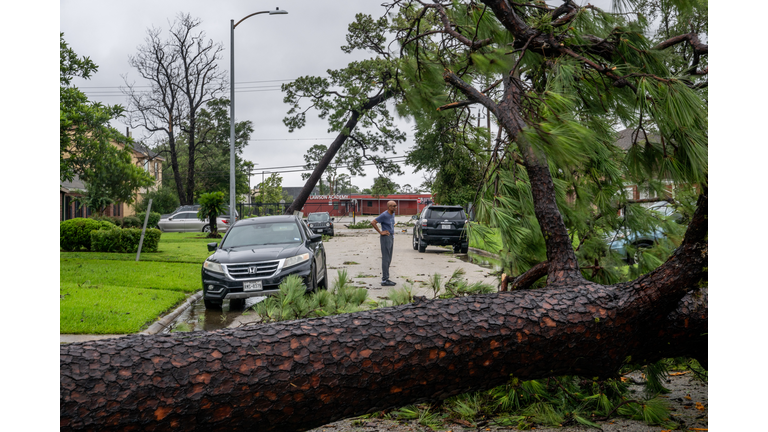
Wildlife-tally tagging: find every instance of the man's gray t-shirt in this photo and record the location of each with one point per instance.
(387, 221)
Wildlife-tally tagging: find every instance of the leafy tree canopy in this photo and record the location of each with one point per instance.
(89, 148)
(271, 190)
(383, 186)
(559, 81)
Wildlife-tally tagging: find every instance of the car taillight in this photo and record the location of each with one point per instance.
(423, 222)
(225, 221)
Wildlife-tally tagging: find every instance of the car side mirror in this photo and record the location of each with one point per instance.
(333, 219)
(414, 217)
(315, 238)
(212, 246)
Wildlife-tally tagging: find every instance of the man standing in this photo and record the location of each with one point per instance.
(387, 240)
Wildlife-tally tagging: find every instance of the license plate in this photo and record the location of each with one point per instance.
(252, 286)
(444, 226)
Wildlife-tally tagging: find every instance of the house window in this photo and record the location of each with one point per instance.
(157, 171)
(370, 203)
(336, 205)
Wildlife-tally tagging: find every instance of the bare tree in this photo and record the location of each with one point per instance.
(184, 75)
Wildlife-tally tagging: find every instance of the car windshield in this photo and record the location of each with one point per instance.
(317, 217)
(445, 214)
(262, 234)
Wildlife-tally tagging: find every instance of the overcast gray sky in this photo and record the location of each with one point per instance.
(269, 50)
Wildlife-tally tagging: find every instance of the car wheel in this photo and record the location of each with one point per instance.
(422, 246)
(331, 234)
(457, 248)
(236, 304)
(211, 304)
(207, 229)
(465, 249)
(415, 241)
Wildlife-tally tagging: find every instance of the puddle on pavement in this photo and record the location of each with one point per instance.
(482, 261)
(198, 317)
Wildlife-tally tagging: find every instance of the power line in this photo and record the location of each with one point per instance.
(289, 139)
(147, 86)
(264, 170)
(297, 166)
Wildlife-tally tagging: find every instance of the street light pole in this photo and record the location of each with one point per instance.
(232, 24)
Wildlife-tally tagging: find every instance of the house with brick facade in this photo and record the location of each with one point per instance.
(141, 156)
(633, 191)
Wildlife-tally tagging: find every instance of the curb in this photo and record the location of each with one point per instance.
(484, 253)
(165, 321)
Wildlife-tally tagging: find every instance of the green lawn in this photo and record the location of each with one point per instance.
(106, 293)
(106, 309)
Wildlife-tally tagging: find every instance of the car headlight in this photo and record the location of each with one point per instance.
(213, 266)
(327, 224)
(298, 259)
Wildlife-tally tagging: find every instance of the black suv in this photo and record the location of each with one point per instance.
(320, 222)
(256, 255)
(441, 225)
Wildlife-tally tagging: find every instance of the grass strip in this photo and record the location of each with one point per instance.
(105, 309)
(181, 277)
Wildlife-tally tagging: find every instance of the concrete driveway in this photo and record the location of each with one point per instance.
(358, 252)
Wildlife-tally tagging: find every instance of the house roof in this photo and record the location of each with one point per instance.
(141, 148)
(625, 138)
(76, 183)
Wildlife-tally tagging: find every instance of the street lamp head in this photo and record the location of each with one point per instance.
(277, 11)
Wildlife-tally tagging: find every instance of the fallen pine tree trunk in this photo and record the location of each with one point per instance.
(306, 373)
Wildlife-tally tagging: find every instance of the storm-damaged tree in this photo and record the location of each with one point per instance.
(354, 100)
(453, 153)
(566, 75)
(183, 75)
(314, 156)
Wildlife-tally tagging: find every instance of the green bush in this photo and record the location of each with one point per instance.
(154, 218)
(106, 240)
(106, 224)
(124, 240)
(131, 222)
(75, 234)
(110, 219)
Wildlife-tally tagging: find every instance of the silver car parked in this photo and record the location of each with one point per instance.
(187, 221)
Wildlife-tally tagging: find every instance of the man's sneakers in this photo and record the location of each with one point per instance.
(388, 283)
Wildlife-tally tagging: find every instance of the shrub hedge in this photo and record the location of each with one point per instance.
(111, 219)
(75, 234)
(124, 240)
(154, 218)
(131, 222)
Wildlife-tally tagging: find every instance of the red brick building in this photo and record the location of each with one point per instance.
(342, 205)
